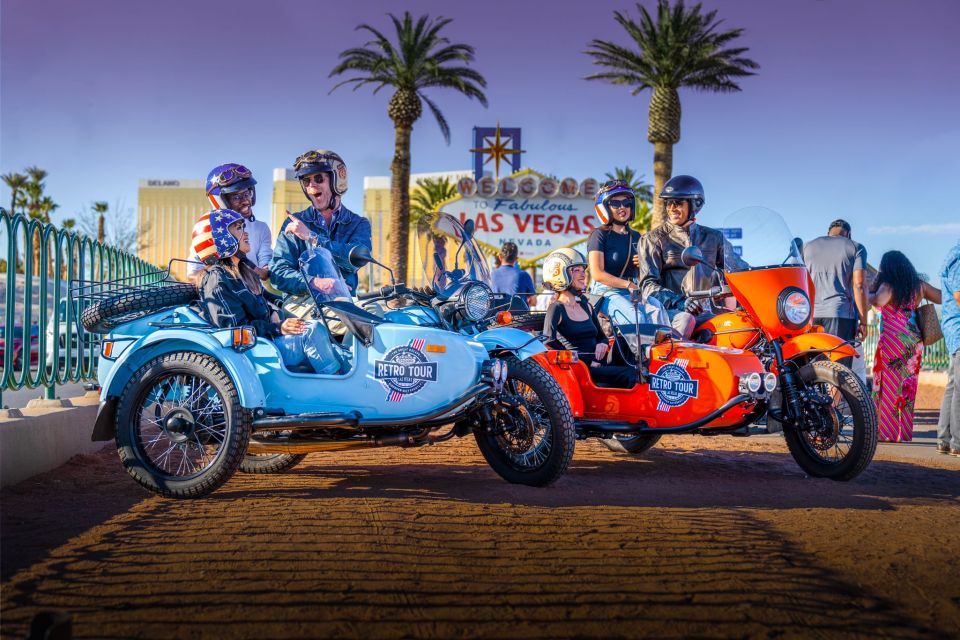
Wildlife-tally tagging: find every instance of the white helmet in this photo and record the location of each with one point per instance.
(556, 268)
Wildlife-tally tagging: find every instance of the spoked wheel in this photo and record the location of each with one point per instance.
(631, 444)
(270, 462)
(838, 434)
(181, 431)
(532, 441)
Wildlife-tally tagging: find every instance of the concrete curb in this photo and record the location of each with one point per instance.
(45, 435)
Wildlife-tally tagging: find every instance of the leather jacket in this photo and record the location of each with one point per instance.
(663, 275)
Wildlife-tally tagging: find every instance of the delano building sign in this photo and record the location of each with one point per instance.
(537, 212)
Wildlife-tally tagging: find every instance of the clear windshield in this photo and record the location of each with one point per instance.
(448, 253)
(758, 237)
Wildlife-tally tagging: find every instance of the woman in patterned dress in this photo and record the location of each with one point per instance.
(896, 291)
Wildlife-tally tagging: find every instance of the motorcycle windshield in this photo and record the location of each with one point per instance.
(448, 253)
(757, 237)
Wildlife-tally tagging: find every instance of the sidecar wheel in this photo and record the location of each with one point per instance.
(181, 432)
(631, 444)
(837, 441)
(535, 442)
(270, 462)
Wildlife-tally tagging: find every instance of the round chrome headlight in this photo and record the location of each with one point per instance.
(475, 301)
(754, 382)
(769, 382)
(793, 308)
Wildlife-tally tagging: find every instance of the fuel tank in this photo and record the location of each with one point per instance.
(735, 330)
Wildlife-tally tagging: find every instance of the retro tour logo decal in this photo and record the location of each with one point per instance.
(673, 385)
(405, 370)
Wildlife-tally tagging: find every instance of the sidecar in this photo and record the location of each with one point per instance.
(188, 403)
(683, 387)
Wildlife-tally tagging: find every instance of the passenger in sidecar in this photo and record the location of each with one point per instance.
(231, 295)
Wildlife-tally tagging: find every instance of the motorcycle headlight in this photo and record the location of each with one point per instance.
(769, 382)
(475, 301)
(793, 308)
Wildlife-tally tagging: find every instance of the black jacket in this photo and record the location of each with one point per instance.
(225, 301)
(662, 274)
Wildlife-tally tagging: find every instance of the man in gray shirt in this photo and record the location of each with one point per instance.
(838, 265)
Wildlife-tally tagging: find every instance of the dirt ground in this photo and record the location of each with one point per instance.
(700, 538)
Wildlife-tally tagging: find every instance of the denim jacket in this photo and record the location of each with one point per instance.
(225, 301)
(348, 230)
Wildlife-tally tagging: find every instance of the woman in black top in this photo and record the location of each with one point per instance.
(571, 322)
(231, 294)
(612, 254)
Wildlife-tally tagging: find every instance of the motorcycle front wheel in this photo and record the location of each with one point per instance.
(837, 436)
(532, 443)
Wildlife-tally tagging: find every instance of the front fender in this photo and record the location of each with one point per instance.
(519, 342)
(238, 366)
(813, 343)
(566, 377)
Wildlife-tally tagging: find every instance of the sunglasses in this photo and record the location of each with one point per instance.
(239, 196)
(621, 204)
(673, 202)
(318, 178)
(232, 175)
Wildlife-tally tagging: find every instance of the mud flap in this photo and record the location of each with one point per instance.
(105, 427)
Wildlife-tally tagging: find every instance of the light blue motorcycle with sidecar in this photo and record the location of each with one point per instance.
(189, 404)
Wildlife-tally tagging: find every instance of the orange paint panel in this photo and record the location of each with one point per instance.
(758, 291)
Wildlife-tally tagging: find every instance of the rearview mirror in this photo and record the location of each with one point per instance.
(468, 226)
(691, 257)
(360, 256)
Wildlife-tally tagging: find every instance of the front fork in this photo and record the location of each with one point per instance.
(791, 408)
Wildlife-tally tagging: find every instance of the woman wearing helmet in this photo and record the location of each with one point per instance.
(663, 276)
(571, 322)
(611, 250)
(326, 222)
(231, 186)
(231, 294)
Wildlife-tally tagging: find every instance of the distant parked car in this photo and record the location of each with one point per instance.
(79, 345)
(17, 346)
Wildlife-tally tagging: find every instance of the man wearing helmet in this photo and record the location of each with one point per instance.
(571, 323)
(611, 251)
(326, 222)
(231, 186)
(663, 276)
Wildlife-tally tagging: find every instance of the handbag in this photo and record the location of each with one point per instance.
(929, 324)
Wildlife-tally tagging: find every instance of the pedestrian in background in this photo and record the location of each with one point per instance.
(897, 291)
(837, 266)
(509, 278)
(948, 427)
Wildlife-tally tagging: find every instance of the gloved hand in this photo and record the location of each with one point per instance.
(692, 306)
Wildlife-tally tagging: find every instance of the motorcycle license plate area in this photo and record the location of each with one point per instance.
(692, 381)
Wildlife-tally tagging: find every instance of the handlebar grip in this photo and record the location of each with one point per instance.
(383, 292)
(712, 292)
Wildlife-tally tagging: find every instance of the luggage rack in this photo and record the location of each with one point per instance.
(92, 291)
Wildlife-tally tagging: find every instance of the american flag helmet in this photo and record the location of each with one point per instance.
(229, 178)
(212, 239)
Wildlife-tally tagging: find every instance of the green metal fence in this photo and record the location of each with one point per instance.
(43, 342)
(935, 357)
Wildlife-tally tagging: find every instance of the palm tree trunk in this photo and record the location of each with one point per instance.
(101, 231)
(400, 201)
(662, 170)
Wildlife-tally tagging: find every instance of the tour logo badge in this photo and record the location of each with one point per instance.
(673, 385)
(405, 370)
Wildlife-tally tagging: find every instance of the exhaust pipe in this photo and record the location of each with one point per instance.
(259, 445)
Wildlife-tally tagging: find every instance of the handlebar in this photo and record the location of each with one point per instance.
(398, 289)
(712, 292)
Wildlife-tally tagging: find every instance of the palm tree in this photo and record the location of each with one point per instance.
(422, 59)
(680, 48)
(101, 208)
(644, 190)
(427, 197)
(16, 182)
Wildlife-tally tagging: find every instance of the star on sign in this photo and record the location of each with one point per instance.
(497, 149)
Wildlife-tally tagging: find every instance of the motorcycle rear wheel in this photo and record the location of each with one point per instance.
(635, 445)
(836, 441)
(270, 462)
(536, 441)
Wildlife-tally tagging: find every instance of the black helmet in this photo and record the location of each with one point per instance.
(685, 188)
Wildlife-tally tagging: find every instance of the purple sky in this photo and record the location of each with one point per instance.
(852, 114)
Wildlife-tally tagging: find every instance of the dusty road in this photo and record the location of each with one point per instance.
(706, 538)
